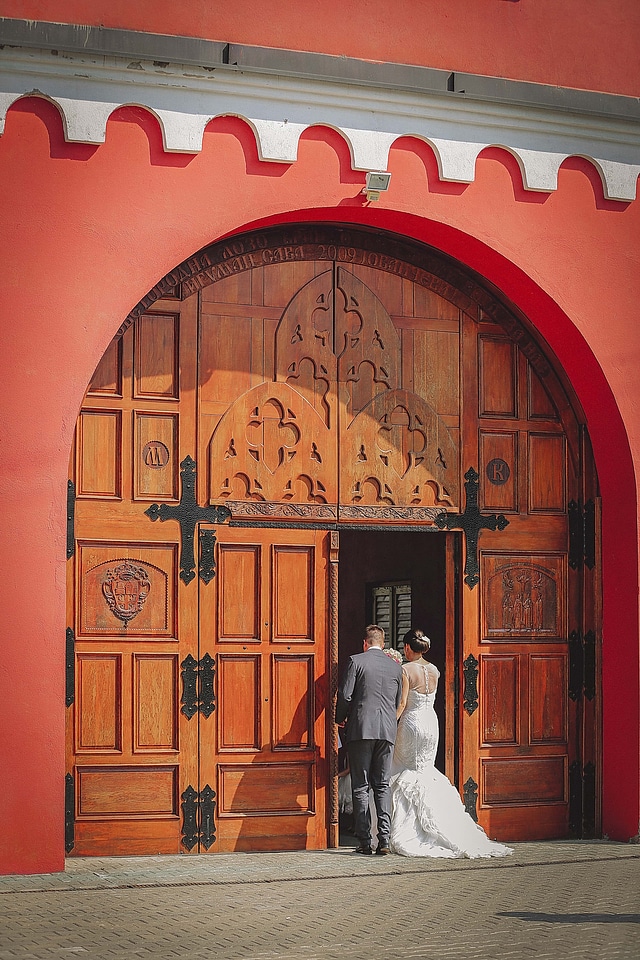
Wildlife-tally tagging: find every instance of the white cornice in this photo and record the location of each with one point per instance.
(87, 89)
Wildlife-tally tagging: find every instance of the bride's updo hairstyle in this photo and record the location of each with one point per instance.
(417, 640)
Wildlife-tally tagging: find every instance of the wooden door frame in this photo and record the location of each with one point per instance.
(450, 692)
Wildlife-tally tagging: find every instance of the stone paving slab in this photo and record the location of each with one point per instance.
(579, 901)
(83, 873)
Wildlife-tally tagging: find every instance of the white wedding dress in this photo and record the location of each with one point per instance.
(428, 818)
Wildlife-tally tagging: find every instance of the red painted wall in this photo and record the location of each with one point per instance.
(87, 231)
(592, 45)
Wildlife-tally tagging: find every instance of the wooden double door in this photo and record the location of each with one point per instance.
(269, 394)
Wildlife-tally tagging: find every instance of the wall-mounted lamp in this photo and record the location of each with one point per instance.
(376, 184)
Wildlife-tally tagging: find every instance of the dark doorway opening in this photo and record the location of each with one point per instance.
(375, 563)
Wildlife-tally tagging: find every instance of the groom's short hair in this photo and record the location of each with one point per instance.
(374, 635)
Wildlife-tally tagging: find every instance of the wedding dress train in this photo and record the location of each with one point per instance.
(428, 818)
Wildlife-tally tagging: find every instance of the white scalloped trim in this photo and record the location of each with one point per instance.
(87, 89)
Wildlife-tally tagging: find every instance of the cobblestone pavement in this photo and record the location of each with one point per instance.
(579, 901)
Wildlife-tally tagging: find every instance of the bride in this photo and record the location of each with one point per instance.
(428, 818)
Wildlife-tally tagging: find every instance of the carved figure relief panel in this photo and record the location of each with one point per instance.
(524, 597)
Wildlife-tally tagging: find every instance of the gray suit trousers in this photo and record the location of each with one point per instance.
(370, 766)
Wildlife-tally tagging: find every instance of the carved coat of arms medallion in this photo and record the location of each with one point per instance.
(125, 588)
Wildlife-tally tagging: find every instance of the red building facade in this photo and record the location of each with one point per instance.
(134, 140)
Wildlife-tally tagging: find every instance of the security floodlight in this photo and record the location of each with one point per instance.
(376, 184)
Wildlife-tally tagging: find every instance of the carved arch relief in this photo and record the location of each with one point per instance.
(271, 445)
(304, 351)
(337, 373)
(337, 331)
(398, 451)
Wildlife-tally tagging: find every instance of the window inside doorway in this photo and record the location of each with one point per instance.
(389, 605)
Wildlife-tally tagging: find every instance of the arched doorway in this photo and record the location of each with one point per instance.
(270, 394)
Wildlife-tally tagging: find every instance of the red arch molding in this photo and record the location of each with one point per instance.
(620, 659)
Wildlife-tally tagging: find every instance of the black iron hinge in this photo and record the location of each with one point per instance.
(582, 534)
(582, 665)
(71, 517)
(198, 817)
(582, 799)
(70, 667)
(198, 695)
(470, 791)
(470, 695)
(69, 812)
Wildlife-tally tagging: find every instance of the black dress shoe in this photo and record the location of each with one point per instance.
(382, 851)
(365, 849)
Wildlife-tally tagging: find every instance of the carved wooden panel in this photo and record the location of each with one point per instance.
(155, 702)
(500, 699)
(547, 473)
(497, 377)
(305, 353)
(229, 289)
(271, 445)
(260, 789)
(540, 406)
(292, 701)
(398, 452)
(107, 379)
(281, 280)
(292, 577)
(523, 597)
(127, 590)
(366, 342)
(225, 359)
(99, 703)
(127, 791)
(520, 780)
(499, 471)
(436, 368)
(155, 456)
(156, 357)
(239, 601)
(239, 702)
(99, 464)
(548, 697)
(428, 303)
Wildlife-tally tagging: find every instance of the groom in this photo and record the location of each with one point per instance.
(368, 699)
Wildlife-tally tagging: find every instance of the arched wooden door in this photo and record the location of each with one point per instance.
(290, 385)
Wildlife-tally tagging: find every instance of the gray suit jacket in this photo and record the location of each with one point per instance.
(368, 697)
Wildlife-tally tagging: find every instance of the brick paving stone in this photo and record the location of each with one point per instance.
(579, 901)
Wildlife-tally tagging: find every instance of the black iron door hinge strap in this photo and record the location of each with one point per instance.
(71, 516)
(471, 522)
(206, 562)
(470, 693)
(69, 812)
(198, 817)
(582, 665)
(198, 695)
(582, 799)
(70, 667)
(470, 792)
(188, 514)
(582, 534)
